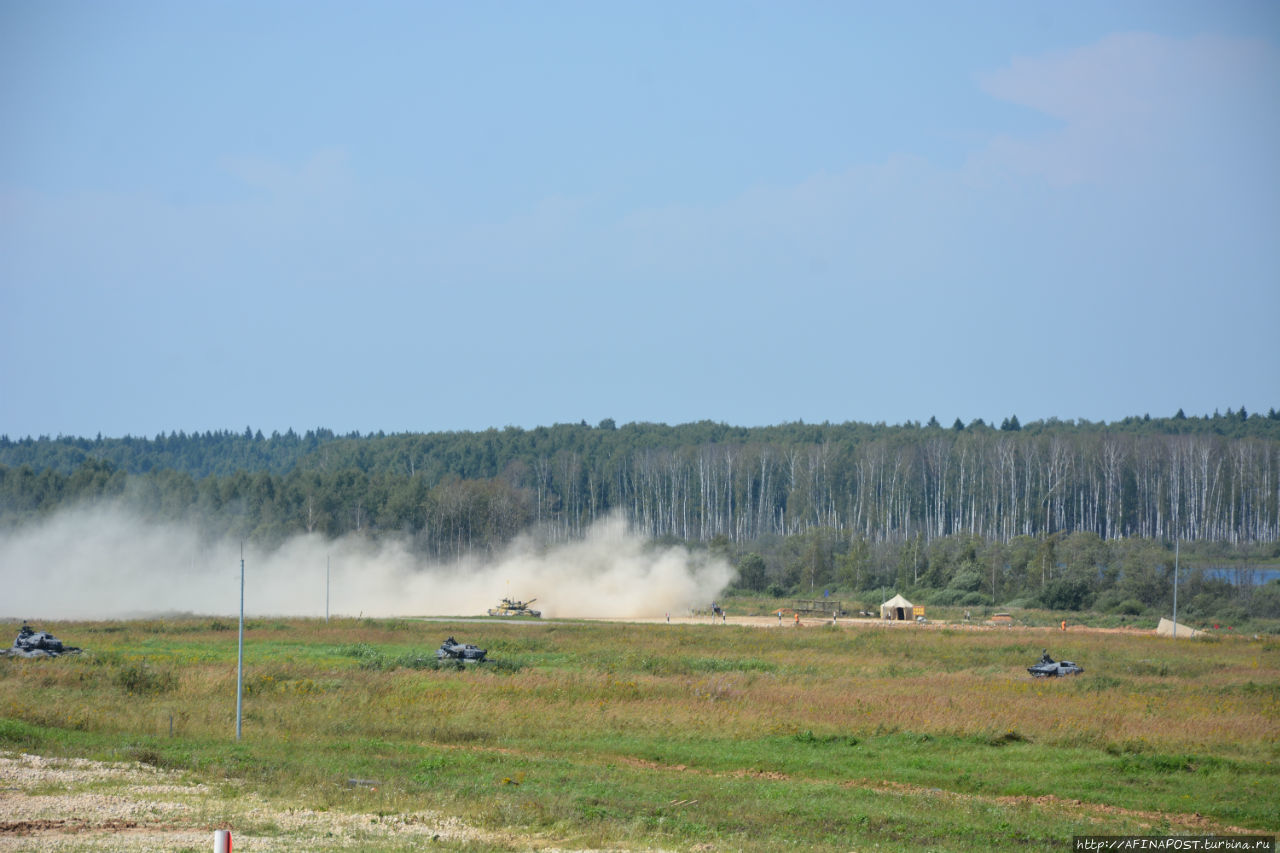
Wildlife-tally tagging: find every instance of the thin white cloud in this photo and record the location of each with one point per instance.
(324, 174)
(1131, 102)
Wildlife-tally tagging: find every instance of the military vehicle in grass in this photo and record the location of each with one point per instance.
(31, 643)
(1050, 668)
(512, 607)
(451, 649)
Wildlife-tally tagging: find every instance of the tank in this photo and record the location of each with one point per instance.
(1050, 668)
(31, 643)
(511, 607)
(451, 649)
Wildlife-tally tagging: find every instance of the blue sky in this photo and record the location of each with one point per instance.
(450, 216)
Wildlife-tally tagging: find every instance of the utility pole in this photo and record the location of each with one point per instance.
(240, 653)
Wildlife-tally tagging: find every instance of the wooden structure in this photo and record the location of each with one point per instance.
(819, 606)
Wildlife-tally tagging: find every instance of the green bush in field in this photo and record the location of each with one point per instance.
(140, 679)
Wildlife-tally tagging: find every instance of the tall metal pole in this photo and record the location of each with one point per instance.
(1175, 589)
(240, 653)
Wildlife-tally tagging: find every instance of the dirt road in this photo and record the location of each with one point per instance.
(789, 622)
(78, 805)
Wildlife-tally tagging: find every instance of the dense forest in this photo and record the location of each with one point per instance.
(975, 512)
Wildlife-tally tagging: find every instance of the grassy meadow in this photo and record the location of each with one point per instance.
(715, 737)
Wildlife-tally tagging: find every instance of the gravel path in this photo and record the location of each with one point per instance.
(74, 805)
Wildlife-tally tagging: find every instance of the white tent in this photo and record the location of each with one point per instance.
(897, 608)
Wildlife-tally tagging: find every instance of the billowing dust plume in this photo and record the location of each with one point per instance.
(101, 562)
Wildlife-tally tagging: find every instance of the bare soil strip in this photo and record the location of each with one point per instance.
(79, 805)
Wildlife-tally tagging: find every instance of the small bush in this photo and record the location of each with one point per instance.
(1143, 765)
(1066, 594)
(807, 736)
(17, 733)
(1148, 667)
(1006, 737)
(142, 680)
(1101, 683)
(1127, 607)
(1118, 603)
(946, 597)
(502, 665)
(367, 655)
(414, 660)
(146, 755)
(966, 580)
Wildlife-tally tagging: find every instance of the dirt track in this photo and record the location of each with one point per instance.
(856, 623)
(78, 805)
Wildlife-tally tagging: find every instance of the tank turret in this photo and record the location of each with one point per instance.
(512, 607)
(31, 643)
(1050, 668)
(451, 649)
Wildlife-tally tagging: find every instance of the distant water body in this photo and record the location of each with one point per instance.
(1243, 576)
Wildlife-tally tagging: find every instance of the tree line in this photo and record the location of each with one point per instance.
(1213, 478)
(1064, 514)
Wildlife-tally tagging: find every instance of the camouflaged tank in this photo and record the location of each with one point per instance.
(511, 607)
(451, 649)
(38, 644)
(1050, 668)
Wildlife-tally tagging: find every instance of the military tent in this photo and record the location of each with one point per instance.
(897, 608)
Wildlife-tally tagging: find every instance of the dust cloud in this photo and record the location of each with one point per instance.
(102, 562)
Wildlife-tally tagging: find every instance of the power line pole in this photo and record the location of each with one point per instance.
(240, 652)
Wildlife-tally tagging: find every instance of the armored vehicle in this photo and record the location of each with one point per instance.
(31, 643)
(511, 607)
(1050, 668)
(451, 649)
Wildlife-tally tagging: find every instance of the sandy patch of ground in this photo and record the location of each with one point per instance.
(77, 805)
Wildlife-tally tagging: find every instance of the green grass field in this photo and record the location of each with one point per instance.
(724, 737)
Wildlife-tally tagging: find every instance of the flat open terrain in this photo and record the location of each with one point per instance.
(589, 735)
